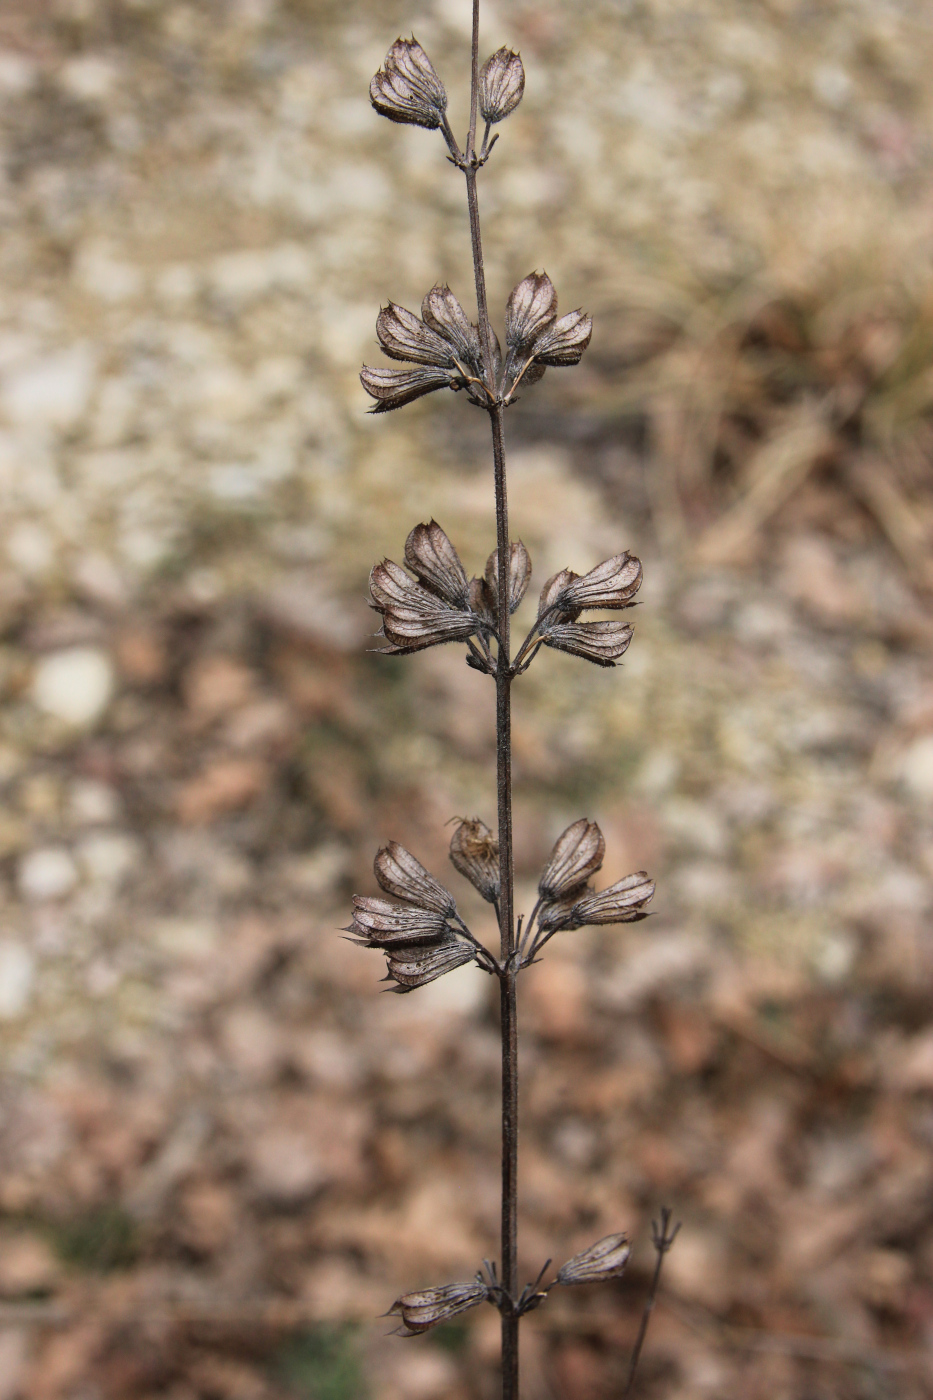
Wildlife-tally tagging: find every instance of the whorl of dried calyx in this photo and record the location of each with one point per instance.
(611, 585)
(407, 89)
(569, 902)
(440, 604)
(416, 935)
(446, 347)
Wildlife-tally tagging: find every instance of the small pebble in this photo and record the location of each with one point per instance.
(49, 873)
(74, 686)
(17, 974)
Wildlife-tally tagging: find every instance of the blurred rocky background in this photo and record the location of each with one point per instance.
(222, 1151)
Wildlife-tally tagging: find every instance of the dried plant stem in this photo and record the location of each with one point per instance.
(422, 935)
(508, 990)
(662, 1241)
(508, 1000)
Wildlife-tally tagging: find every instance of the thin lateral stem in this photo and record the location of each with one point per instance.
(474, 83)
(485, 959)
(523, 944)
(456, 155)
(662, 1241)
(508, 963)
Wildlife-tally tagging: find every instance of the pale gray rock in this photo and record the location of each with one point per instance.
(74, 686)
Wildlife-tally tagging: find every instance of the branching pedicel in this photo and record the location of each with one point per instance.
(431, 600)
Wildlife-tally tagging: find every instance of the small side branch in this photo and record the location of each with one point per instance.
(662, 1237)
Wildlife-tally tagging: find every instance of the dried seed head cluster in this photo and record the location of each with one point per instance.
(446, 347)
(567, 901)
(429, 600)
(600, 1263)
(441, 604)
(423, 937)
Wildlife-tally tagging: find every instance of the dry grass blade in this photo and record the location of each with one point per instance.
(775, 472)
(871, 480)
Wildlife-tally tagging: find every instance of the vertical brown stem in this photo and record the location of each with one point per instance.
(474, 72)
(507, 987)
(507, 983)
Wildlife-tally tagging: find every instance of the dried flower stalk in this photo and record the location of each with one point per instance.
(431, 601)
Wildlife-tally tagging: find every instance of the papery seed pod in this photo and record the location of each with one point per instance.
(403, 336)
(401, 875)
(413, 618)
(421, 952)
(443, 313)
(519, 574)
(394, 388)
(433, 559)
(600, 642)
(406, 87)
(578, 853)
(391, 587)
(437, 960)
(474, 851)
(621, 903)
(612, 584)
(425, 1309)
(501, 84)
(480, 600)
(604, 1260)
(553, 595)
(564, 342)
(381, 924)
(531, 308)
(407, 634)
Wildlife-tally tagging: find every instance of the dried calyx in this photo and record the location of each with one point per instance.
(436, 564)
(484, 592)
(440, 604)
(501, 84)
(412, 617)
(418, 965)
(603, 643)
(443, 343)
(407, 89)
(611, 585)
(401, 875)
(567, 901)
(431, 608)
(446, 347)
(423, 937)
(535, 337)
(426, 1308)
(621, 903)
(606, 1259)
(577, 854)
(474, 851)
